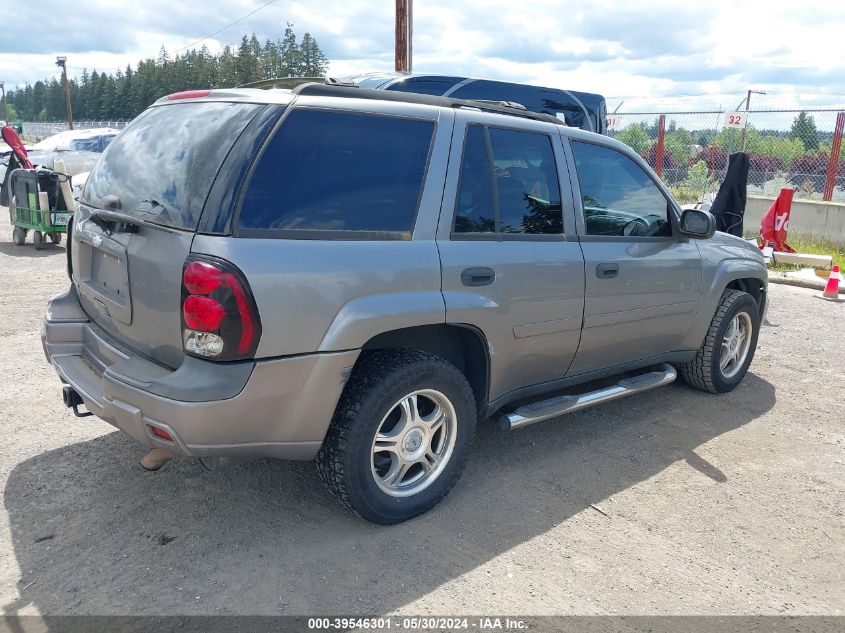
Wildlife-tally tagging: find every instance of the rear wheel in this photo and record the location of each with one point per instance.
(56, 238)
(400, 436)
(723, 359)
(19, 236)
(38, 240)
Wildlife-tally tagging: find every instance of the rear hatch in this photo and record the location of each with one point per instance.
(158, 171)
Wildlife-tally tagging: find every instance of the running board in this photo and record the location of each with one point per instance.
(554, 407)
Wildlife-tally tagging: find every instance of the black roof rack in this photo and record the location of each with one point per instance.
(354, 92)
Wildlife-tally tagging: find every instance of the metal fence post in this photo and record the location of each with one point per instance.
(658, 159)
(830, 179)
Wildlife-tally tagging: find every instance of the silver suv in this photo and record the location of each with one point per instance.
(358, 276)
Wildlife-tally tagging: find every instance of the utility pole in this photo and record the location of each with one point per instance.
(61, 62)
(404, 35)
(747, 106)
(3, 89)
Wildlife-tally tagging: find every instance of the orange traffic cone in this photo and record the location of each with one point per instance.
(831, 290)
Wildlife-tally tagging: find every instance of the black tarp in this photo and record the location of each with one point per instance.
(579, 109)
(729, 206)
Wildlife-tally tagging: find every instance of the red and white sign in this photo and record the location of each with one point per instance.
(775, 223)
(735, 119)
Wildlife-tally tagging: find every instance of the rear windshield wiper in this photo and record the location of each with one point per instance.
(107, 220)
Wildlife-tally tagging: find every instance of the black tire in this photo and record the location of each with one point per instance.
(379, 381)
(56, 238)
(704, 372)
(38, 240)
(19, 236)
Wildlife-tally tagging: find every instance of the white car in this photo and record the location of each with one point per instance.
(93, 140)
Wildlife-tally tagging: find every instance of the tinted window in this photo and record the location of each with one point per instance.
(85, 145)
(338, 171)
(475, 212)
(546, 100)
(619, 198)
(487, 90)
(527, 195)
(162, 166)
(425, 85)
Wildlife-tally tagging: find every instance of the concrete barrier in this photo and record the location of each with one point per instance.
(825, 220)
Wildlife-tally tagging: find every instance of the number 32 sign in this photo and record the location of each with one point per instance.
(735, 119)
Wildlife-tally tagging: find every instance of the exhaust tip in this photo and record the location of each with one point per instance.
(156, 458)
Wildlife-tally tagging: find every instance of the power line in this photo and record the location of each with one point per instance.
(241, 19)
(700, 94)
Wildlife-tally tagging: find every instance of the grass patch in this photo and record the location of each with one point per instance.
(685, 194)
(812, 246)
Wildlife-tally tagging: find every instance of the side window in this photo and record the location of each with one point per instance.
(517, 194)
(619, 198)
(338, 171)
(475, 212)
(85, 145)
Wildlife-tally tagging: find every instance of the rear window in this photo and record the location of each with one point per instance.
(161, 167)
(338, 171)
(425, 85)
(557, 103)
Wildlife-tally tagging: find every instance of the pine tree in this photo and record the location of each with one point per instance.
(804, 128)
(291, 56)
(314, 62)
(227, 76)
(125, 94)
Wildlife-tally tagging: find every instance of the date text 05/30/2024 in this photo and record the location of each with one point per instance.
(412, 623)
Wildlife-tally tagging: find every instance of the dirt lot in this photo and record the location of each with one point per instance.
(727, 505)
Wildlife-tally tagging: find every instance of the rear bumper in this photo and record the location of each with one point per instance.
(279, 408)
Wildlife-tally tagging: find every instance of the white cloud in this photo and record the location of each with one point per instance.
(639, 51)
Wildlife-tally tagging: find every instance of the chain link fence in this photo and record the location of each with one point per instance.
(801, 149)
(38, 130)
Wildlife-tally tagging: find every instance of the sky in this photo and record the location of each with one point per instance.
(642, 55)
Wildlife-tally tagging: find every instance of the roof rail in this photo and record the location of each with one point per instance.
(285, 83)
(355, 92)
(504, 104)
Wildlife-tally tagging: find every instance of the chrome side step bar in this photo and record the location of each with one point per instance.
(553, 407)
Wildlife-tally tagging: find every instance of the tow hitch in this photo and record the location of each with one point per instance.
(72, 400)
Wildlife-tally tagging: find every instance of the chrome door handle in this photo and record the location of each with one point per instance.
(479, 276)
(607, 270)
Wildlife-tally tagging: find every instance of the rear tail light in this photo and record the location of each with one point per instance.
(160, 433)
(219, 317)
(188, 94)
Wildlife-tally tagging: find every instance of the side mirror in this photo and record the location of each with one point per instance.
(697, 224)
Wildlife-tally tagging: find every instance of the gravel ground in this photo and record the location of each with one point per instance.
(714, 504)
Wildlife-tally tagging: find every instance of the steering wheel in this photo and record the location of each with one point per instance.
(635, 227)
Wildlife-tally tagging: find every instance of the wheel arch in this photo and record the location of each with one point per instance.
(753, 286)
(462, 345)
(730, 274)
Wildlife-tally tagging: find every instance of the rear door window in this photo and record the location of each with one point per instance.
(508, 184)
(345, 172)
(161, 167)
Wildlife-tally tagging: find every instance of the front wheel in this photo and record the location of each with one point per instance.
(400, 435)
(38, 240)
(19, 236)
(56, 237)
(723, 359)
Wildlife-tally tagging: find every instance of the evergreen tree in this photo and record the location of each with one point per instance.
(314, 62)
(124, 94)
(291, 55)
(804, 128)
